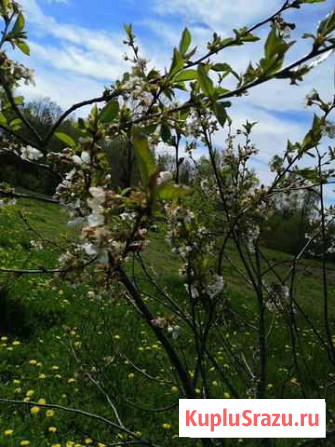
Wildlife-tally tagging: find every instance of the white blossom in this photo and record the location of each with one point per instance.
(29, 153)
(83, 159)
(216, 287)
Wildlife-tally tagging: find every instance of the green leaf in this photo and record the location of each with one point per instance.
(185, 42)
(312, 1)
(186, 75)
(24, 47)
(221, 67)
(129, 30)
(165, 132)
(313, 137)
(219, 110)
(3, 119)
(5, 3)
(327, 25)
(250, 38)
(271, 43)
(145, 158)
(171, 191)
(19, 24)
(69, 141)
(15, 124)
(110, 112)
(205, 82)
(177, 62)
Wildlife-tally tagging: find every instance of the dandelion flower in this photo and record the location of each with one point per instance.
(8, 433)
(35, 410)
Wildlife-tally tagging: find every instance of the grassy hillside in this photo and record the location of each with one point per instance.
(56, 340)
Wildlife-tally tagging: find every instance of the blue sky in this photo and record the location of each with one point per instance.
(77, 49)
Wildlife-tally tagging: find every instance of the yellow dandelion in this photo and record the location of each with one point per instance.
(72, 380)
(131, 376)
(226, 395)
(166, 426)
(42, 401)
(50, 413)
(25, 442)
(30, 393)
(52, 429)
(88, 441)
(8, 433)
(35, 410)
(32, 362)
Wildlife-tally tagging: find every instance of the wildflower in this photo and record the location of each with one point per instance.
(52, 429)
(166, 426)
(131, 376)
(25, 442)
(16, 343)
(71, 380)
(88, 441)
(32, 362)
(30, 393)
(8, 433)
(35, 410)
(42, 376)
(50, 413)
(226, 395)
(42, 401)
(174, 389)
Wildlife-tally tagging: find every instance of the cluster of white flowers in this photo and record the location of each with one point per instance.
(37, 245)
(96, 218)
(6, 202)
(30, 153)
(215, 288)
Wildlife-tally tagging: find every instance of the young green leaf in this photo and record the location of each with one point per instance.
(24, 47)
(272, 43)
(110, 112)
(165, 132)
(19, 24)
(177, 62)
(171, 191)
(145, 158)
(219, 110)
(205, 82)
(69, 141)
(186, 75)
(185, 42)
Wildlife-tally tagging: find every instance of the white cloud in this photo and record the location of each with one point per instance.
(218, 13)
(90, 53)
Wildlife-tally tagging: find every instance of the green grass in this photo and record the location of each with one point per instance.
(55, 339)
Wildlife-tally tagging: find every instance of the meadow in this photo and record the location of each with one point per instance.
(67, 346)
